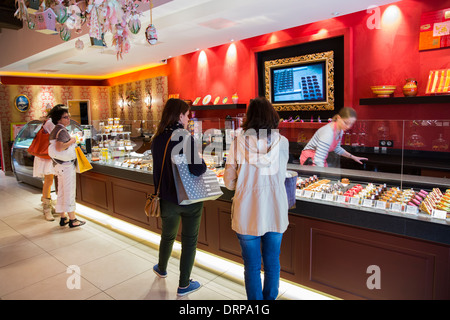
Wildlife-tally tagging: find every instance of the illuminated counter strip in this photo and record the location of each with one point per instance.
(327, 247)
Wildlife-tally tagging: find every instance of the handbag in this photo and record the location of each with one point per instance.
(192, 188)
(39, 145)
(290, 184)
(152, 203)
(68, 154)
(83, 163)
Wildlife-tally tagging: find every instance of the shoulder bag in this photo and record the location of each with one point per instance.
(39, 146)
(152, 205)
(68, 154)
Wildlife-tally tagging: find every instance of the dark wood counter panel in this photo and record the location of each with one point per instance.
(330, 248)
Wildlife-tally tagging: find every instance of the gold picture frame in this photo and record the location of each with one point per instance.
(328, 104)
(22, 103)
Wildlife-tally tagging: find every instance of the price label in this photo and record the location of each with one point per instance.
(299, 193)
(380, 204)
(318, 195)
(396, 207)
(308, 194)
(354, 201)
(132, 166)
(118, 164)
(439, 214)
(129, 147)
(412, 209)
(121, 148)
(341, 198)
(329, 196)
(367, 203)
(125, 165)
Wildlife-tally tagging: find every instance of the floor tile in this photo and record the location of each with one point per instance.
(114, 268)
(37, 256)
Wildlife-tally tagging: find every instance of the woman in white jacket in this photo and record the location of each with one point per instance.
(256, 170)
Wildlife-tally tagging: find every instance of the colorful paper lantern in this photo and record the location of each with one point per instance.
(79, 45)
(64, 33)
(151, 35)
(61, 13)
(134, 24)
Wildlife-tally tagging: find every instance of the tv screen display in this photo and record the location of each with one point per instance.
(299, 83)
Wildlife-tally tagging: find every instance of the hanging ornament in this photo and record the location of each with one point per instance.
(134, 24)
(64, 33)
(31, 25)
(150, 32)
(79, 45)
(61, 13)
(151, 35)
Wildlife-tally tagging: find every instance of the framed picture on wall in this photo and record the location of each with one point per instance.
(22, 103)
(15, 129)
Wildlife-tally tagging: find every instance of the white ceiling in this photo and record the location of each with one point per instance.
(182, 25)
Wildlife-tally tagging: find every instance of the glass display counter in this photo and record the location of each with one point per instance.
(407, 170)
(347, 216)
(21, 160)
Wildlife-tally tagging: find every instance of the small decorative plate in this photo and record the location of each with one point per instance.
(225, 100)
(196, 101)
(206, 99)
(216, 101)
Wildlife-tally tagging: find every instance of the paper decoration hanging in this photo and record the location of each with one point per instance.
(150, 32)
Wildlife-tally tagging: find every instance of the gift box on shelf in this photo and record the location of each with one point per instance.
(46, 21)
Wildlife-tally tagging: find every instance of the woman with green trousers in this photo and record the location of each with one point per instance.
(172, 137)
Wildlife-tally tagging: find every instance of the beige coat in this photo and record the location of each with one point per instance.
(257, 173)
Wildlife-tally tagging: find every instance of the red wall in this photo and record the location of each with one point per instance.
(387, 55)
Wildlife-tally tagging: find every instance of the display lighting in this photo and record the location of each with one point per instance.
(391, 17)
(148, 99)
(121, 102)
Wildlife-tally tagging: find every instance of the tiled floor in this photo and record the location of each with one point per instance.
(41, 260)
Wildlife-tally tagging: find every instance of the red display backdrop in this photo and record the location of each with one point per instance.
(381, 47)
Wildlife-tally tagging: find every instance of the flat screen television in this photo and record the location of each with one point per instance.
(301, 83)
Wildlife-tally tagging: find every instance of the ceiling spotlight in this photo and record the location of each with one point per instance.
(335, 13)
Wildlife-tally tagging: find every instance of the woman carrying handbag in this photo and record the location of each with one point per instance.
(43, 165)
(172, 136)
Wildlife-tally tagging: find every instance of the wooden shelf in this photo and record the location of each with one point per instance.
(406, 100)
(219, 106)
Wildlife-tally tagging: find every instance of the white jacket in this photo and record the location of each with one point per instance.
(257, 175)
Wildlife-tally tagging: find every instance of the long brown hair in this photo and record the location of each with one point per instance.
(171, 114)
(261, 115)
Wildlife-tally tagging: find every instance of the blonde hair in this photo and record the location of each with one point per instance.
(345, 113)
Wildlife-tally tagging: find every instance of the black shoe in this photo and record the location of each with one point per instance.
(64, 221)
(72, 225)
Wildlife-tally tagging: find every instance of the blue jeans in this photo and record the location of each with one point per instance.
(252, 246)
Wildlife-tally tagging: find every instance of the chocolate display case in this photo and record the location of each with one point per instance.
(21, 160)
(332, 238)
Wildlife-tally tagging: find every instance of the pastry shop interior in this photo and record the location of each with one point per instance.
(392, 210)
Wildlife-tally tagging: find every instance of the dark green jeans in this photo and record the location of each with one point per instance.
(190, 217)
